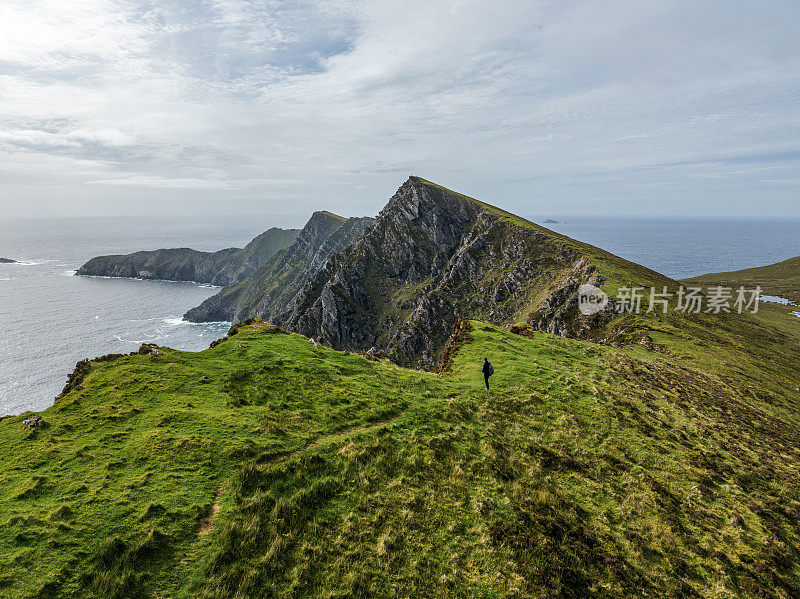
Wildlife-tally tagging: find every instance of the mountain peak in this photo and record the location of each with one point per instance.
(271, 290)
(325, 214)
(398, 283)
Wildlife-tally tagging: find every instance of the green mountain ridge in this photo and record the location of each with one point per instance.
(619, 455)
(431, 256)
(781, 279)
(266, 466)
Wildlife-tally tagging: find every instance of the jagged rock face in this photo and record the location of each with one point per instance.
(270, 292)
(224, 267)
(434, 256)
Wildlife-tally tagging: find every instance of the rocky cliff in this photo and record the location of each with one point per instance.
(435, 256)
(224, 267)
(270, 291)
(432, 257)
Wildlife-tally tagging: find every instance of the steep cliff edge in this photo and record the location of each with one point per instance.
(224, 267)
(270, 291)
(434, 256)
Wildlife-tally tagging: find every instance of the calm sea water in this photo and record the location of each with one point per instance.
(680, 248)
(50, 319)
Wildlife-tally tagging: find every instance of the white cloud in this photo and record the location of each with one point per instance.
(187, 183)
(640, 104)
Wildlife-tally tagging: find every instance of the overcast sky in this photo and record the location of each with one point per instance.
(269, 107)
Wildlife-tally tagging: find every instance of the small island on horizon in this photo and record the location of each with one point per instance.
(7, 261)
(550, 221)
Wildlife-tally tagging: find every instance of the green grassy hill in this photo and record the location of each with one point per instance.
(266, 466)
(781, 279)
(657, 456)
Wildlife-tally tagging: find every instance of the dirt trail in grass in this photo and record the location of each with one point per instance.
(208, 522)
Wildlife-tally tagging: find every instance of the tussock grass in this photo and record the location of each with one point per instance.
(587, 470)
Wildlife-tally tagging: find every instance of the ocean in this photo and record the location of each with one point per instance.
(49, 319)
(685, 247)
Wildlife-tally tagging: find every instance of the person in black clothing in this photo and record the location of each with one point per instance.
(488, 370)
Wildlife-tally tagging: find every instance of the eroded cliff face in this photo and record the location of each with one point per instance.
(271, 290)
(224, 267)
(432, 257)
(396, 285)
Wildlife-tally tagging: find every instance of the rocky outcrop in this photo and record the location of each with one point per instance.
(433, 257)
(398, 285)
(7, 261)
(270, 292)
(224, 267)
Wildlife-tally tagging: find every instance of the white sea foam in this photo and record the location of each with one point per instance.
(31, 262)
(174, 322)
(795, 314)
(180, 321)
(7, 278)
(118, 338)
(192, 283)
(140, 341)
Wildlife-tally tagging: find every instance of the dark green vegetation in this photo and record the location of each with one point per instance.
(224, 267)
(658, 455)
(781, 279)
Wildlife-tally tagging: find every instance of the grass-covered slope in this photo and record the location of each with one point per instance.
(266, 466)
(781, 279)
(617, 272)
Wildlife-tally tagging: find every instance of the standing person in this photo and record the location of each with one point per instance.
(488, 370)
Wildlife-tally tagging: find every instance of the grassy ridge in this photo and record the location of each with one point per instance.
(781, 279)
(617, 271)
(266, 466)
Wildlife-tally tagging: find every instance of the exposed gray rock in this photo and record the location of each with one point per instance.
(434, 256)
(397, 285)
(270, 291)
